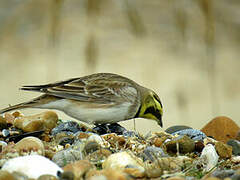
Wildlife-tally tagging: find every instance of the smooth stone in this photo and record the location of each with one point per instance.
(221, 128)
(79, 168)
(5, 175)
(44, 121)
(185, 143)
(223, 173)
(151, 153)
(209, 156)
(194, 134)
(109, 128)
(30, 143)
(175, 178)
(170, 164)
(70, 126)
(32, 166)
(3, 123)
(47, 177)
(107, 174)
(124, 159)
(235, 146)
(70, 155)
(176, 128)
(223, 150)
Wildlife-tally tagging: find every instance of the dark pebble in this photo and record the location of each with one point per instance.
(109, 128)
(70, 126)
(174, 129)
(235, 146)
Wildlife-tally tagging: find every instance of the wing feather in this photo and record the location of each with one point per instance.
(97, 88)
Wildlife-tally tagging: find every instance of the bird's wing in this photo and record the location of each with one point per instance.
(97, 89)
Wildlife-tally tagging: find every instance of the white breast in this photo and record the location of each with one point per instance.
(90, 115)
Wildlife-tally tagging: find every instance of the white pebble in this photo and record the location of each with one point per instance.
(32, 166)
(209, 156)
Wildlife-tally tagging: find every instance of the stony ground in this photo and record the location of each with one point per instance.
(44, 147)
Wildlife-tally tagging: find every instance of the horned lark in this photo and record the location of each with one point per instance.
(96, 99)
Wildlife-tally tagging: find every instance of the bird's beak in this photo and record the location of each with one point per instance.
(159, 121)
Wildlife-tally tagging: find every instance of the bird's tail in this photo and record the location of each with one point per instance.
(14, 107)
(29, 104)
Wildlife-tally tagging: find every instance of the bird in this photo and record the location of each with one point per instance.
(100, 98)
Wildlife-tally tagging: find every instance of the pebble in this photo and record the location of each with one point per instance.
(107, 174)
(150, 153)
(175, 178)
(47, 177)
(223, 150)
(236, 159)
(109, 128)
(209, 157)
(5, 175)
(3, 123)
(43, 121)
(235, 146)
(185, 144)
(29, 144)
(176, 128)
(79, 168)
(124, 159)
(221, 128)
(2, 144)
(32, 166)
(69, 127)
(69, 155)
(223, 173)
(194, 134)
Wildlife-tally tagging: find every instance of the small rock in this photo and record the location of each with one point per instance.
(109, 128)
(212, 178)
(221, 128)
(32, 166)
(79, 168)
(69, 155)
(66, 175)
(122, 160)
(30, 143)
(170, 164)
(3, 123)
(194, 134)
(47, 177)
(223, 173)
(107, 174)
(176, 128)
(69, 127)
(82, 135)
(151, 153)
(199, 145)
(2, 145)
(209, 157)
(9, 118)
(185, 143)
(43, 121)
(223, 150)
(175, 178)
(236, 159)
(5, 175)
(235, 146)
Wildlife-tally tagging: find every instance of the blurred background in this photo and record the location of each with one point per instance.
(186, 51)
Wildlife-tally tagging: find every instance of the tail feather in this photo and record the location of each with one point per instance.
(29, 104)
(14, 107)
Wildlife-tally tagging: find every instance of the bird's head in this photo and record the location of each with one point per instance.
(151, 107)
